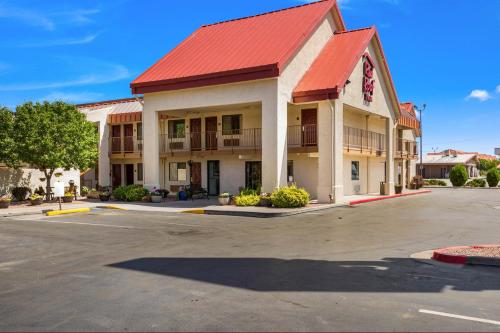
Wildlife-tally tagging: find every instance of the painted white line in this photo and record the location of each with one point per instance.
(451, 315)
(92, 224)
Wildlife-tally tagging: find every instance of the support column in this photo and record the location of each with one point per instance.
(274, 141)
(325, 125)
(151, 153)
(389, 152)
(338, 151)
(104, 177)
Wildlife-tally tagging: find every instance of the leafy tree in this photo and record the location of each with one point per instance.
(6, 140)
(458, 175)
(493, 177)
(485, 165)
(54, 135)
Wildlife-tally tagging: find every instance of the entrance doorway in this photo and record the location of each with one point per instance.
(196, 175)
(117, 175)
(195, 133)
(211, 133)
(309, 122)
(129, 174)
(213, 173)
(253, 175)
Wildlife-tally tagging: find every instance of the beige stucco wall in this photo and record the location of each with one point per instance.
(370, 175)
(31, 178)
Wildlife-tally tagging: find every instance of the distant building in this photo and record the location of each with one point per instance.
(439, 165)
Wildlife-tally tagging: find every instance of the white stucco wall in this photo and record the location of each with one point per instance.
(31, 178)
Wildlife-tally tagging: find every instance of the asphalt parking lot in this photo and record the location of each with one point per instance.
(344, 269)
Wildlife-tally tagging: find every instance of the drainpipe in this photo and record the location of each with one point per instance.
(332, 159)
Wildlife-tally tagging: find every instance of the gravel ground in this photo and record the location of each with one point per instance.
(477, 251)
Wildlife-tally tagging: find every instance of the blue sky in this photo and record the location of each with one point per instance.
(445, 53)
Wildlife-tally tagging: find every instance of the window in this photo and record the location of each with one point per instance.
(139, 131)
(290, 172)
(231, 124)
(176, 128)
(355, 170)
(140, 172)
(178, 172)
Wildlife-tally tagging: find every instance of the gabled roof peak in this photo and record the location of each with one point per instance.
(266, 13)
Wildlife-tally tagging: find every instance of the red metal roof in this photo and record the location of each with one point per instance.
(338, 58)
(237, 50)
(408, 116)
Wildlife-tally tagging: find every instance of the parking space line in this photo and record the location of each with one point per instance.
(451, 315)
(92, 224)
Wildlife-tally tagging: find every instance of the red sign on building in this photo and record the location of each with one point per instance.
(368, 81)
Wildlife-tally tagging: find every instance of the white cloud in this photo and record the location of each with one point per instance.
(77, 16)
(27, 16)
(479, 94)
(58, 42)
(73, 97)
(104, 72)
(498, 89)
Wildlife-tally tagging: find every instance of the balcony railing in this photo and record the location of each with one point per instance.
(125, 145)
(357, 139)
(405, 148)
(231, 140)
(250, 138)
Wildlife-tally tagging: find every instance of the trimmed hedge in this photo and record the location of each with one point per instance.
(290, 197)
(435, 182)
(459, 175)
(130, 193)
(247, 200)
(493, 178)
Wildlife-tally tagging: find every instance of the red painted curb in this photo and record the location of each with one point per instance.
(357, 202)
(443, 256)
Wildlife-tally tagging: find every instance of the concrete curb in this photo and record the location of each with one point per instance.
(362, 201)
(269, 214)
(111, 207)
(442, 256)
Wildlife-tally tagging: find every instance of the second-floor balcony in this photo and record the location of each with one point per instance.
(405, 149)
(126, 145)
(363, 141)
(302, 137)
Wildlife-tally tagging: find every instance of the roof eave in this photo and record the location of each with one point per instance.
(234, 76)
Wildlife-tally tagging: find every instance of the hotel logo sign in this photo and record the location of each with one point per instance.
(368, 81)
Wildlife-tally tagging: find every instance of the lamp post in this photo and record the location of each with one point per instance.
(421, 111)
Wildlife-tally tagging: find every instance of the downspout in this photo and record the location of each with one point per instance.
(332, 158)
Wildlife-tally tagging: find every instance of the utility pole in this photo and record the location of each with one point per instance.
(421, 111)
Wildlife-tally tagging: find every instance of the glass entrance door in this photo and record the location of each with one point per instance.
(253, 175)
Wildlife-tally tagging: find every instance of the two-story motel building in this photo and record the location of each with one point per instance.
(263, 101)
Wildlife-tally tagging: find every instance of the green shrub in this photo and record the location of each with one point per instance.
(20, 193)
(290, 197)
(458, 175)
(130, 193)
(493, 177)
(435, 182)
(249, 191)
(84, 191)
(247, 200)
(479, 182)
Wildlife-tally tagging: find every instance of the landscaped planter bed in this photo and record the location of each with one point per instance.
(473, 255)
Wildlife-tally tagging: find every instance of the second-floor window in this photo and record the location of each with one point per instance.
(176, 128)
(231, 124)
(139, 131)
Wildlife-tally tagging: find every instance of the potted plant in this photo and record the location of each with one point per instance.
(36, 199)
(398, 188)
(68, 197)
(5, 201)
(156, 196)
(224, 199)
(104, 196)
(265, 200)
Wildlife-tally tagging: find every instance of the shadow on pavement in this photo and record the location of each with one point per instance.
(272, 274)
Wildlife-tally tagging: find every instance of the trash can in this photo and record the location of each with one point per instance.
(382, 188)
